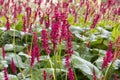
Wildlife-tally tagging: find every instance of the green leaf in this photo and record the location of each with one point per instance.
(16, 58)
(11, 77)
(85, 66)
(71, 19)
(11, 47)
(14, 33)
(116, 31)
(23, 54)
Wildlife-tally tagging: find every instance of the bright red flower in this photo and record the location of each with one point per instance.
(118, 10)
(82, 2)
(13, 66)
(87, 11)
(44, 40)
(108, 57)
(55, 31)
(51, 77)
(67, 61)
(45, 75)
(7, 24)
(94, 75)
(3, 52)
(24, 24)
(35, 50)
(95, 21)
(116, 77)
(70, 74)
(5, 74)
(1, 2)
(69, 48)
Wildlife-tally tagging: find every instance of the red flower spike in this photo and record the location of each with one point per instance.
(28, 11)
(35, 50)
(70, 74)
(24, 24)
(15, 12)
(19, 9)
(6, 8)
(1, 2)
(5, 74)
(7, 24)
(67, 61)
(45, 75)
(95, 21)
(87, 11)
(116, 77)
(118, 10)
(44, 40)
(3, 52)
(69, 48)
(55, 31)
(82, 2)
(108, 57)
(51, 77)
(64, 29)
(13, 66)
(94, 75)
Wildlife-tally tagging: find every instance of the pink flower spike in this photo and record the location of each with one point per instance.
(3, 52)
(67, 61)
(24, 25)
(1, 2)
(116, 77)
(82, 2)
(87, 11)
(44, 40)
(13, 66)
(95, 21)
(35, 50)
(7, 24)
(51, 77)
(108, 57)
(5, 74)
(94, 75)
(45, 75)
(70, 74)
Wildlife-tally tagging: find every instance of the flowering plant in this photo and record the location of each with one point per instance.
(59, 40)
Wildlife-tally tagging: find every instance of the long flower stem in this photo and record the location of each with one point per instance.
(105, 77)
(60, 62)
(15, 53)
(51, 66)
(55, 65)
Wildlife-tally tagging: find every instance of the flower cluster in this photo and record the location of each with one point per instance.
(7, 24)
(3, 52)
(94, 75)
(69, 48)
(44, 40)
(5, 74)
(55, 28)
(13, 66)
(35, 49)
(45, 75)
(70, 74)
(95, 21)
(108, 57)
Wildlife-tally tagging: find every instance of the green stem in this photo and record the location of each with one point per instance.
(60, 62)
(30, 55)
(55, 65)
(108, 70)
(66, 76)
(51, 66)
(75, 74)
(15, 53)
